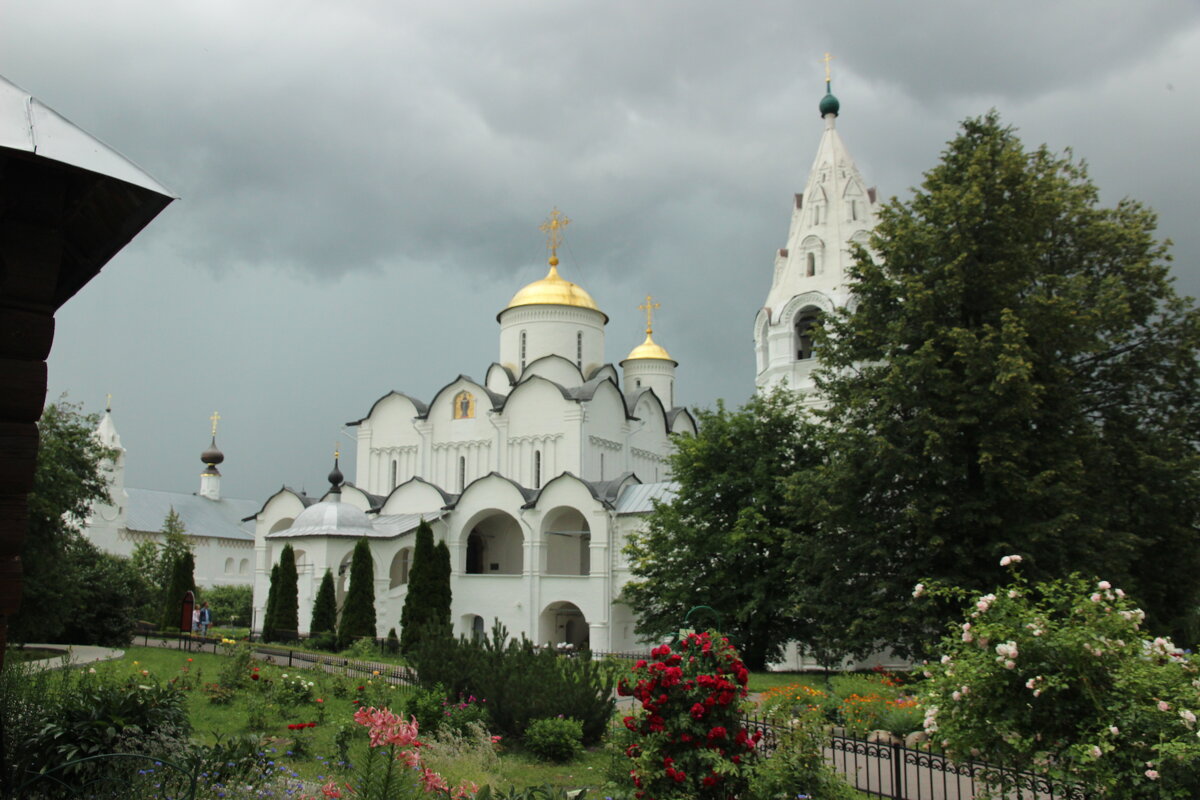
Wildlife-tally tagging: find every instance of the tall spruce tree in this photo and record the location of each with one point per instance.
(182, 581)
(324, 611)
(1017, 376)
(287, 597)
(268, 625)
(421, 601)
(358, 610)
(445, 596)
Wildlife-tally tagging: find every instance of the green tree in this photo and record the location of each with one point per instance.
(268, 624)
(1016, 375)
(324, 612)
(182, 582)
(69, 478)
(421, 601)
(287, 596)
(445, 596)
(154, 561)
(723, 540)
(358, 610)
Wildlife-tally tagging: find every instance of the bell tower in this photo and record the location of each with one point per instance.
(835, 211)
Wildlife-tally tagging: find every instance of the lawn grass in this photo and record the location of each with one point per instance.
(318, 757)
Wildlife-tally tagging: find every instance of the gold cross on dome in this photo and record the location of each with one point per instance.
(553, 228)
(337, 453)
(827, 59)
(215, 419)
(108, 402)
(649, 306)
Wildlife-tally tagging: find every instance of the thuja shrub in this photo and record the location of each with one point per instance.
(1060, 677)
(555, 739)
(520, 682)
(688, 738)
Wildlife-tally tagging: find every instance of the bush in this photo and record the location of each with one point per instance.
(556, 739)
(688, 738)
(520, 683)
(1058, 677)
(797, 767)
(235, 670)
(56, 716)
(230, 605)
(438, 714)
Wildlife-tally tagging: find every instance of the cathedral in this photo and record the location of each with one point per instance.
(533, 477)
(536, 475)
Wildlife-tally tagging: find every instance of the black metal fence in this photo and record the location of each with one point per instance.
(891, 770)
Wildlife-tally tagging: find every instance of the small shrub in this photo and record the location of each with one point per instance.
(556, 739)
(235, 671)
(219, 695)
(292, 690)
(902, 716)
(363, 649)
(797, 768)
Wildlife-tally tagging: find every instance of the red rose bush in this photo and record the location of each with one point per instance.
(687, 739)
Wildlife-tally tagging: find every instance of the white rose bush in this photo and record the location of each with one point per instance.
(1059, 678)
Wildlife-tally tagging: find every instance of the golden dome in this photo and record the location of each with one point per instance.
(649, 349)
(553, 290)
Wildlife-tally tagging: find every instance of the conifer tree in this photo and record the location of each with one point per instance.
(286, 621)
(358, 611)
(1016, 376)
(182, 581)
(421, 601)
(268, 626)
(324, 612)
(444, 594)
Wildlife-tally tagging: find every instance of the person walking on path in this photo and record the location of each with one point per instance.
(205, 618)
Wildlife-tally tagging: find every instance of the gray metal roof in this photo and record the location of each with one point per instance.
(639, 498)
(391, 525)
(28, 124)
(222, 518)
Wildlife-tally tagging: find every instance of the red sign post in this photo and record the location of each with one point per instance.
(185, 621)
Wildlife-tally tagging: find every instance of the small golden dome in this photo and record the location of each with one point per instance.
(553, 290)
(649, 349)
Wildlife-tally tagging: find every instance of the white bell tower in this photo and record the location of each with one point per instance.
(835, 211)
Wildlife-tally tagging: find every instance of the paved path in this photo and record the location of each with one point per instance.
(76, 654)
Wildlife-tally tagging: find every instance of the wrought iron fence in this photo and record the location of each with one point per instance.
(891, 770)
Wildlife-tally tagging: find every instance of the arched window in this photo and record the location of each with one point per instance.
(579, 349)
(462, 473)
(602, 466)
(853, 210)
(229, 566)
(244, 566)
(395, 468)
(522, 350)
(805, 321)
(537, 469)
(811, 265)
(817, 214)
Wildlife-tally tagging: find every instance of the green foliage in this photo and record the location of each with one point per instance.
(235, 669)
(555, 739)
(286, 621)
(291, 689)
(423, 614)
(797, 766)
(358, 610)
(230, 605)
(324, 611)
(182, 582)
(437, 714)
(154, 561)
(65, 578)
(391, 645)
(444, 596)
(56, 716)
(723, 541)
(518, 682)
(268, 625)
(688, 739)
(1017, 375)
(1059, 677)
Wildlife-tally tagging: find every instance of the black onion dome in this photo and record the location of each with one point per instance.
(212, 456)
(335, 477)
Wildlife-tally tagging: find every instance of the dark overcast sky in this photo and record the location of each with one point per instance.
(361, 182)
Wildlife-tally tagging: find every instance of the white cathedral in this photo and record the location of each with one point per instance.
(535, 476)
